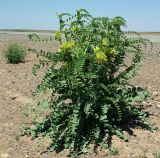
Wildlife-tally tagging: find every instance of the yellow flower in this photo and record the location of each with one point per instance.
(97, 49)
(59, 50)
(110, 52)
(113, 52)
(101, 57)
(58, 35)
(75, 28)
(105, 42)
(66, 46)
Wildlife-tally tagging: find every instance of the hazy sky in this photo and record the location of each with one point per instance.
(141, 15)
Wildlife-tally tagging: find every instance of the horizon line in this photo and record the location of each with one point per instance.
(54, 30)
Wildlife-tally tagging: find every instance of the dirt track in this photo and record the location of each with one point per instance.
(17, 82)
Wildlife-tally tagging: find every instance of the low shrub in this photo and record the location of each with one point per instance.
(90, 76)
(14, 53)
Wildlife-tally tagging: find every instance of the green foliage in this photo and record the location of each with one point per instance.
(37, 38)
(90, 76)
(113, 151)
(14, 53)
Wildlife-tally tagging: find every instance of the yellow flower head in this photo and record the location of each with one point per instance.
(110, 52)
(67, 46)
(113, 52)
(101, 57)
(105, 42)
(58, 35)
(97, 49)
(75, 28)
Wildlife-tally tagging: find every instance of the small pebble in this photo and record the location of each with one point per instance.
(158, 105)
(13, 97)
(4, 155)
(155, 93)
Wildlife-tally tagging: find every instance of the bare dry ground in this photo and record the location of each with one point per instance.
(17, 82)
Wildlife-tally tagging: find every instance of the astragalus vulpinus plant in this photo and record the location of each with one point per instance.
(90, 75)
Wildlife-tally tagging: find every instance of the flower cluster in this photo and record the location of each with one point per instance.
(112, 52)
(101, 57)
(58, 35)
(74, 29)
(105, 42)
(104, 51)
(67, 46)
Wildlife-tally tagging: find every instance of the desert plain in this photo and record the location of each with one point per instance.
(17, 83)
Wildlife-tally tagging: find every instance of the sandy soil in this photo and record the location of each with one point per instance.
(17, 82)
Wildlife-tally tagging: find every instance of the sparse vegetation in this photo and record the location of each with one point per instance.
(156, 154)
(14, 53)
(144, 153)
(113, 151)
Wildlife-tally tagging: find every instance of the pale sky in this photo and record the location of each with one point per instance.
(141, 15)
